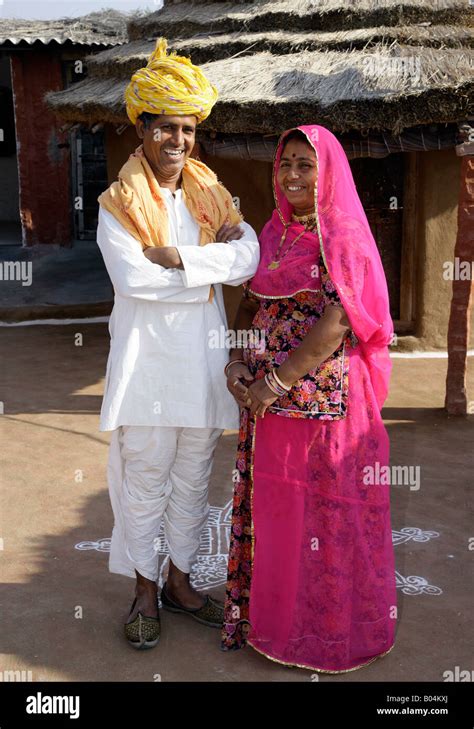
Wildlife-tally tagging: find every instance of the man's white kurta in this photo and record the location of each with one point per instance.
(164, 367)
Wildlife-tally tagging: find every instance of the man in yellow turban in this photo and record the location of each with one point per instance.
(170, 236)
(169, 84)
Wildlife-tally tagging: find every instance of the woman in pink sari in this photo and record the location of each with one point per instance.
(311, 579)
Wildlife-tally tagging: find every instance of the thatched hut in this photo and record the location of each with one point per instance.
(392, 78)
(36, 175)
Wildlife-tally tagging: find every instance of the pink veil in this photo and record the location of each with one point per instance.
(348, 248)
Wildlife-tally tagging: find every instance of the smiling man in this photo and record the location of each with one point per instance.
(170, 236)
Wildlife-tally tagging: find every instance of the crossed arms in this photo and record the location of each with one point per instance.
(133, 275)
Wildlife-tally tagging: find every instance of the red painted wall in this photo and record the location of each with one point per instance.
(44, 170)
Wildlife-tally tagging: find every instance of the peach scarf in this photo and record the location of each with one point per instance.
(137, 202)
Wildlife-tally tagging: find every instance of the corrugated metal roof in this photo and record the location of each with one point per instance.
(105, 28)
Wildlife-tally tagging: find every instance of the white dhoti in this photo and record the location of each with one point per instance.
(158, 473)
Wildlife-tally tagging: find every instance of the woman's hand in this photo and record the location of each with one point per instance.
(229, 232)
(261, 398)
(238, 389)
(166, 256)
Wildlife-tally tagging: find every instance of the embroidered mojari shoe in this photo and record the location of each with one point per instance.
(143, 632)
(211, 613)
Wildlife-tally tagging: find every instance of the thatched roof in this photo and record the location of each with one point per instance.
(388, 76)
(104, 28)
(122, 61)
(185, 19)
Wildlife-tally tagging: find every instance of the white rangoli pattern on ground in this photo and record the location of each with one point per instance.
(210, 569)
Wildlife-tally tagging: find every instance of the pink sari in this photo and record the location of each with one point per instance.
(311, 578)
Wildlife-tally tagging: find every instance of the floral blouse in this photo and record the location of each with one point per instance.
(282, 325)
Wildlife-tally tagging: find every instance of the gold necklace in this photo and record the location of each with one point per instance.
(310, 218)
(277, 260)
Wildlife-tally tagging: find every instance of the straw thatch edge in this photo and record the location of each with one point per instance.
(187, 19)
(123, 61)
(102, 101)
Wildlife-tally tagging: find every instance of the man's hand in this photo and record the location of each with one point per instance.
(229, 232)
(166, 256)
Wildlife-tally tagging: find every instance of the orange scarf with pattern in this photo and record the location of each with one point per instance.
(137, 202)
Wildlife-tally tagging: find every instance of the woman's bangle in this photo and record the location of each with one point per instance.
(273, 385)
(232, 362)
(279, 382)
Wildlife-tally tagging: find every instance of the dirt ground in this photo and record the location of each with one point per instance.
(62, 611)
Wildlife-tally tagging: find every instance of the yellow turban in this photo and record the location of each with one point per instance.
(169, 84)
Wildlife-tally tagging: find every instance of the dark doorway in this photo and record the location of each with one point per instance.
(89, 179)
(10, 225)
(379, 183)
